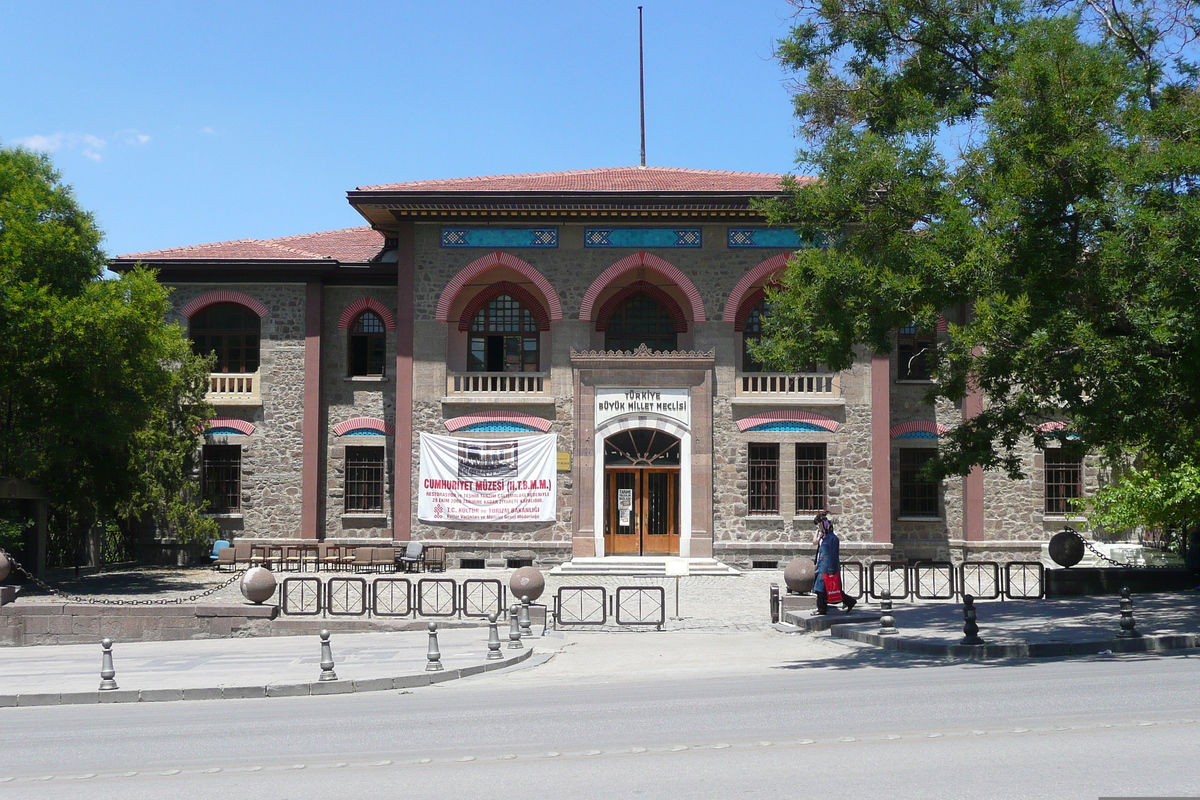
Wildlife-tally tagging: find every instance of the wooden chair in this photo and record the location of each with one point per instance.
(329, 556)
(363, 557)
(225, 558)
(243, 552)
(383, 559)
(435, 558)
(289, 558)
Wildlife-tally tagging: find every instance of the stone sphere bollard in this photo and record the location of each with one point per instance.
(800, 574)
(527, 582)
(1066, 548)
(258, 585)
(5, 566)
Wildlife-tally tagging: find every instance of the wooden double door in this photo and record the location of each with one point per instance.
(641, 511)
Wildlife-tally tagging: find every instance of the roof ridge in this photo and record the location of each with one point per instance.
(590, 170)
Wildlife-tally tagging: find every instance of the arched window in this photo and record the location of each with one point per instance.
(367, 344)
(231, 331)
(640, 319)
(503, 337)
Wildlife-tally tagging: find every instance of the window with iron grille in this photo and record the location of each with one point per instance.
(810, 477)
(915, 354)
(367, 345)
(918, 496)
(221, 477)
(1064, 480)
(503, 338)
(364, 479)
(764, 479)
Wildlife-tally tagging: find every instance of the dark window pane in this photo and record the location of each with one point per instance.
(810, 477)
(1064, 480)
(231, 331)
(764, 478)
(503, 338)
(221, 477)
(368, 345)
(640, 320)
(918, 496)
(915, 354)
(364, 479)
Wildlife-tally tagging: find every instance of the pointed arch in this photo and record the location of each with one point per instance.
(649, 261)
(366, 304)
(734, 304)
(516, 292)
(490, 261)
(663, 299)
(212, 298)
(751, 300)
(787, 415)
(913, 430)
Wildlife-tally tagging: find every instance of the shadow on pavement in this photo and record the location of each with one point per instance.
(134, 581)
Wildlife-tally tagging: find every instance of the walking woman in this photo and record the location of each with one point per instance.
(827, 562)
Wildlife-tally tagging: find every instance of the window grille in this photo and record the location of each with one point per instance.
(918, 496)
(1064, 480)
(764, 479)
(810, 477)
(364, 479)
(221, 477)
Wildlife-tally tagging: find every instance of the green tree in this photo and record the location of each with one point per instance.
(100, 400)
(1031, 171)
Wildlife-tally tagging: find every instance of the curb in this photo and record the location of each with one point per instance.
(313, 689)
(899, 644)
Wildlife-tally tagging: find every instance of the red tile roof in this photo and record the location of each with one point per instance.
(347, 244)
(612, 179)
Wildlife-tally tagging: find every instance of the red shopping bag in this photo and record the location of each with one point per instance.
(833, 588)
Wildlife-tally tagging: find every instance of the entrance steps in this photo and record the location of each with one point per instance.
(652, 566)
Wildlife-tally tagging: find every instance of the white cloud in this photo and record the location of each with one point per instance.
(87, 144)
(135, 137)
(208, 130)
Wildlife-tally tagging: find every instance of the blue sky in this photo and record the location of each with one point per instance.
(181, 123)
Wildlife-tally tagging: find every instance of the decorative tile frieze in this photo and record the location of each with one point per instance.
(499, 237)
(767, 237)
(643, 237)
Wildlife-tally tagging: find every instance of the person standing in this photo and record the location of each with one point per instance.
(827, 562)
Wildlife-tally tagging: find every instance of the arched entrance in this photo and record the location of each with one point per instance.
(641, 493)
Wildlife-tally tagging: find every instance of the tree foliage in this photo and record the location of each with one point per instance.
(100, 399)
(1029, 171)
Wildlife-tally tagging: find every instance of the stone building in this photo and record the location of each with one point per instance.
(609, 308)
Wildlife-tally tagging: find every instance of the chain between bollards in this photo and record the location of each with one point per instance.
(107, 673)
(970, 626)
(525, 619)
(887, 623)
(1128, 629)
(327, 673)
(494, 653)
(434, 655)
(514, 628)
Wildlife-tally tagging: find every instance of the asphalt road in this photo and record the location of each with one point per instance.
(898, 727)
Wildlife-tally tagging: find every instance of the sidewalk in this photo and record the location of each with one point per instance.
(212, 669)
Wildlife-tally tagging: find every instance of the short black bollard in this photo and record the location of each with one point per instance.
(970, 626)
(887, 623)
(434, 655)
(524, 618)
(1128, 629)
(107, 673)
(514, 629)
(494, 653)
(327, 673)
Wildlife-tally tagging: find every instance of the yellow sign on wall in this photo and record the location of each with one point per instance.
(564, 461)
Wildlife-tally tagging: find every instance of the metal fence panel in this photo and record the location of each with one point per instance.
(580, 605)
(437, 597)
(346, 597)
(302, 597)
(1024, 580)
(980, 579)
(641, 605)
(933, 580)
(889, 576)
(483, 596)
(852, 579)
(391, 597)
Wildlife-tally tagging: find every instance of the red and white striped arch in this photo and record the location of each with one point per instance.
(366, 304)
(212, 298)
(239, 425)
(749, 281)
(497, 259)
(649, 261)
(1051, 427)
(516, 417)
(788, 416)
(918, 426)
(361, 423)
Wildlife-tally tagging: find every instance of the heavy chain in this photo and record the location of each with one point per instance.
(98, 601)
(1103, 557)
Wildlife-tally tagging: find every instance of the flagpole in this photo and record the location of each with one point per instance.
(642, 84)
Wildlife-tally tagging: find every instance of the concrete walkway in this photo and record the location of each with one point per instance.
(212, 669)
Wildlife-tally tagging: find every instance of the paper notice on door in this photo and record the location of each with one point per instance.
(624, 499)
(624, 517)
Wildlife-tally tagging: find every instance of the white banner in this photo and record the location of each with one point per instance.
(487, 480)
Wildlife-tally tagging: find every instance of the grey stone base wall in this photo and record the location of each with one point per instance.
(80, 623)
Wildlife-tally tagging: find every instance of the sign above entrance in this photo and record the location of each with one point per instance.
(671, 403)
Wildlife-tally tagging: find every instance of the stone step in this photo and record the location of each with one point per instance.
(651, 566)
